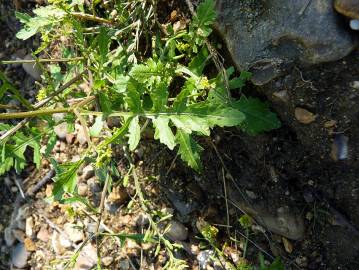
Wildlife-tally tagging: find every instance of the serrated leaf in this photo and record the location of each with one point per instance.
(199, 62)
(50, 144)
(66, 178)
(258, 117)
(120, 85)
(105, 103)
(163, 132)
(104, 40)
(134, 130)
(189, 150)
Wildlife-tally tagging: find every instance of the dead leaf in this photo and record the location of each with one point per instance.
(330, 124)
(179, 25)
(287, 245)
(304, 116)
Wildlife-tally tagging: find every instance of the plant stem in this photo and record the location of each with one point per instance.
(33, 113)
(39, 105)
(89, 17)
(33, 61)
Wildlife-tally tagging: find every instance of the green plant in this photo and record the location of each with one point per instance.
(135, 70)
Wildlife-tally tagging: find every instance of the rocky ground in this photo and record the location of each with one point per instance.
(299, 183)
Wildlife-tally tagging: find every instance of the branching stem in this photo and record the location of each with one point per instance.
(34, 61)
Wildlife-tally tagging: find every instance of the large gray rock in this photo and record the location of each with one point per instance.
(268, 36)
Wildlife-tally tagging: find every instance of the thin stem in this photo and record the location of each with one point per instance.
(39, 105)
(34, 61)
(89, 17)
(34, 113)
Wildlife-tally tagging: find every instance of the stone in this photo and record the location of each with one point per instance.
(340, 148)
(9, 237)
(74, 233)
(61, 130)
(59, 243)
(88, 171)
(19, 256)
(43, 234)
(81, 137)
(349, 8)
(29, 244)
(82, 189)
(57, 117)
(19, 235)
(124, 264)
(267, 37)
(354, 24)
(29, 225)
(177, 231)
(87, 258)
(106, 261)
(32, 69)
(116, 198)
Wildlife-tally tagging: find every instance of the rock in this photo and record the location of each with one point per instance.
(265, 37)
(281, 95)
(43, 234)
(93, 185)
(59, 243)
(70, 138)
(87, 172)
(19, 256)
(87, 258)
(204, 258)
(82, 189)
(61, 130)
(177, 231)
(349, 8)
(116, 198)
(124, 264)
(19, 235)
(9, 237)
(340, 147)
(74, 233)
(57, 117)
(106, 261)
(29, 244)
(354, 24)
(304, 116)
(179, 25)
(32, 69)
(355, 85)
(29, 225)
(142, 220)
(81, 137)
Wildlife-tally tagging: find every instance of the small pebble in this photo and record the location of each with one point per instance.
(177, 231)
(43, 234)
(29, 225)
(354, 24)
(82, 189)
(106, 261)
(61, 131)
(9, 237)
(88, 172)
(340, 147)
(29, 244)
(87, 258)
(19, 256)
(74, 233)
(32, 69)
